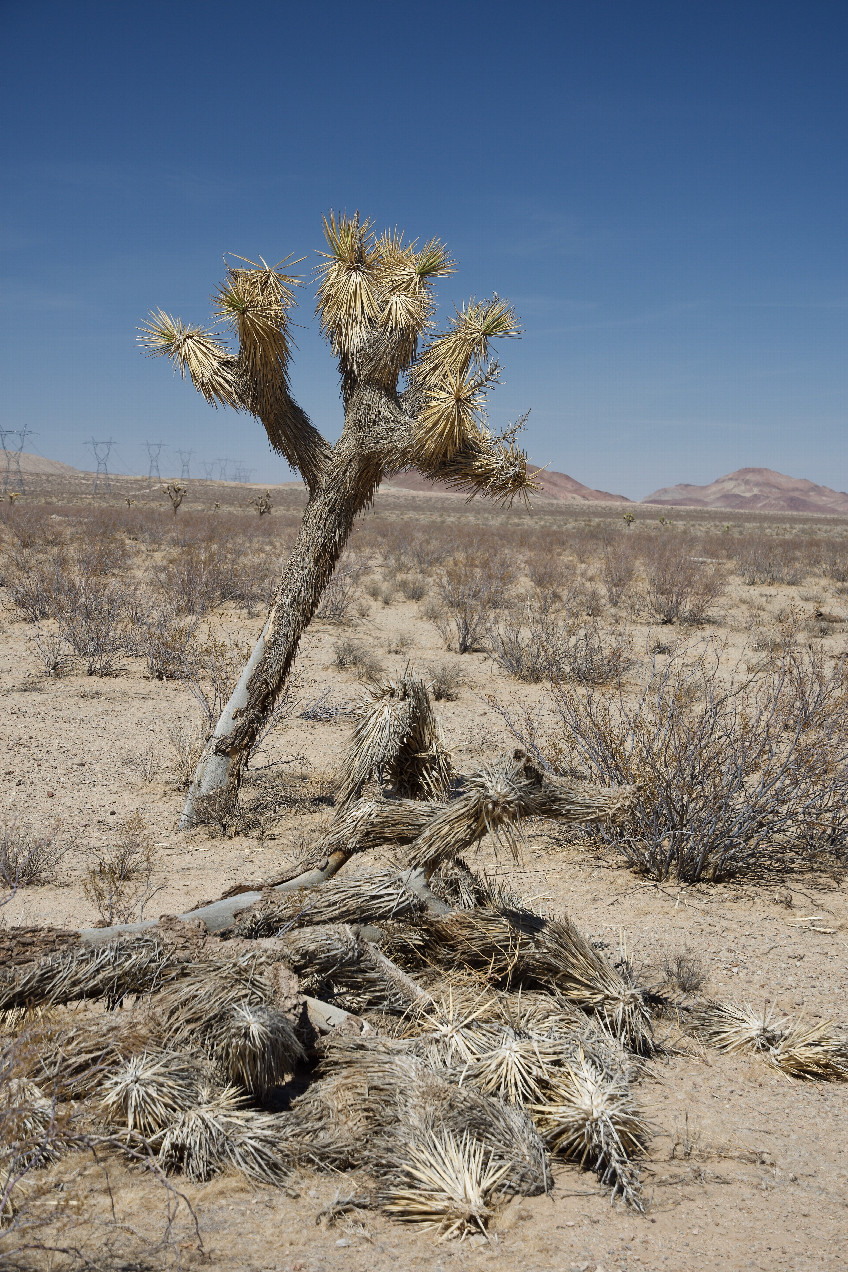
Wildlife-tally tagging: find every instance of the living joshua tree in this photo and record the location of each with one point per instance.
(414, 397)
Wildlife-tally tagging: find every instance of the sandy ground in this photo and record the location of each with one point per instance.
(748, 1169)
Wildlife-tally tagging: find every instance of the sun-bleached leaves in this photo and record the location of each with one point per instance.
(195, 353)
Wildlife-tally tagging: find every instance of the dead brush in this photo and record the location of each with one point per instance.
(517, 1066)
(119, 880)
(149, 1091)
(29, 1125)
(449, 1184)
(255, 1047)
(801, 1050)
(399, 740)
(27, 858)
(589, 1117)
(195, 1143)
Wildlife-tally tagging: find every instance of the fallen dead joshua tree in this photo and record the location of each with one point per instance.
(451, 1039)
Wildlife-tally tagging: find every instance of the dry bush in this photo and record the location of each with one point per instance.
(533, 645)
(212, 668)
(164, 639)
(412, 587)
(95, 614)
(618, 567)
(680, 588)
(28, 858)
(446, 680)
(732, 777)
(468, 595)
(593, 657)
(198, 577)
(352, 654)
(769, 560)
(528, 643)
(51, 653)
(400, 643)
(34, 581)
(119, 880)
(338, 602)
(187, 739)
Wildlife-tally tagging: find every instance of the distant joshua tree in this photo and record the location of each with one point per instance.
(376, 306)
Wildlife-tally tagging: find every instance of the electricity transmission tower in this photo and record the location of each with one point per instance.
(207, 470)
(222, 468)
(154, 450)
(185, 461)
(101, 451)
(12, 456)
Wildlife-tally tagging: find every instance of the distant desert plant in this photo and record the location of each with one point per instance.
(680, 588)
(119, 879)
(28, 857)
(340, 595)
(352, 654)
(618, 567)
(468, 593)
(446, 680)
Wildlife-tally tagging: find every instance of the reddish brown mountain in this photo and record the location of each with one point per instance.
(557, 486)
(755, 490)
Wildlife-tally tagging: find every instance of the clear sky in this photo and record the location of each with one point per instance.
(659, 187)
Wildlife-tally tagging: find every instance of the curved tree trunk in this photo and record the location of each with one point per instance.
(353, 471)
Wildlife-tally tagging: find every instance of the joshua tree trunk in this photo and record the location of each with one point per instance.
(375, 302)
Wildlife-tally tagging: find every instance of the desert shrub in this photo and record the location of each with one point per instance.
(28, 858)
(730, 777)
(118, 881)
(51, 652)
(412, 587)
(550, 571)
(186, 739)
(618, 567)
(211, 668)
(164, 639)
(400, 643)
(680, 588)
(468, 593)
(95, 614)
(352, 654)
(593, 657)
(446, 680)
(767, 560)
(34, 581)
(528, 643)
(340, 595)
(200, 576)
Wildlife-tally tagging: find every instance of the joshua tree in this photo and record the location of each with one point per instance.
(375, 304)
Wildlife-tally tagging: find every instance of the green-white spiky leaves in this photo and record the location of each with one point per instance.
(195, 353)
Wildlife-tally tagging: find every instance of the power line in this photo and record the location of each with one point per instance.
(12, 456)
(101, 451)
(154, 450)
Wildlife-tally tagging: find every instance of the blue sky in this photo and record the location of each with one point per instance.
(659, 187)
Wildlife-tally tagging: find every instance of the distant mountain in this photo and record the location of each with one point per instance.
(755, 490)
(556, 486)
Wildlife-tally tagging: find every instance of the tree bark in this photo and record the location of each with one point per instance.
(375, 426)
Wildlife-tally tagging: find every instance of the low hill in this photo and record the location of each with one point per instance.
(553, 485)
(755, 490)
(39, 465)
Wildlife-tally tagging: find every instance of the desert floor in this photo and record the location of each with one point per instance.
(747, 1169)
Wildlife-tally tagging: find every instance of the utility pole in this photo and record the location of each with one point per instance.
(154, 450)
(12, 456)
(185, 461)
(101, 452)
